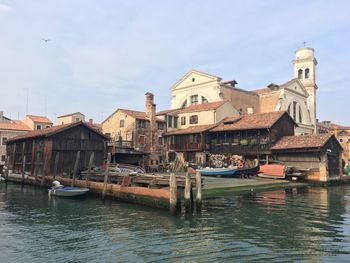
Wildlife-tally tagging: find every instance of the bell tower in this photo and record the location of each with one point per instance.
(305, 70)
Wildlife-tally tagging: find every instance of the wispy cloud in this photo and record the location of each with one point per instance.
(5, 8)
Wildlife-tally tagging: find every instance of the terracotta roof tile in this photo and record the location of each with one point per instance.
(41, 119)
(192, 129)
(139, 115)
(250, 121)
(14, 126)
(53, 130)
(166, 111)
(203, 106)
(303, 141)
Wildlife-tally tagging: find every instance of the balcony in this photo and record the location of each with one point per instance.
(121, 144)
(240, 149)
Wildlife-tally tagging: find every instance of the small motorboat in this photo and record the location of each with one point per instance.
(229, 172)
(66, 191)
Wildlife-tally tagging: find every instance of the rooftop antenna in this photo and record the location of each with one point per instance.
(304, 43)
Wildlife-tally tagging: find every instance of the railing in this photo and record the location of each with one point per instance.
(121, 144)
(186, 147)
(240, 149)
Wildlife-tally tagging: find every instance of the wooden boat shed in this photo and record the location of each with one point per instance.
(320, 155)
(60, 144)
(251, 134)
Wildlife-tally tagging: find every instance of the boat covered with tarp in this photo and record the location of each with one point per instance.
(66, 191)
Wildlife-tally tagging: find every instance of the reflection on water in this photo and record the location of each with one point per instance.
(309, 224)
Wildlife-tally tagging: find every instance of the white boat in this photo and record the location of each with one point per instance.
(66, 191)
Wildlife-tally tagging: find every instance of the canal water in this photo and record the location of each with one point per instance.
(302, 225)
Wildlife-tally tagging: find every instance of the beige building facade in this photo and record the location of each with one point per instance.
(37, 122)
(70, 118)
(297, 96)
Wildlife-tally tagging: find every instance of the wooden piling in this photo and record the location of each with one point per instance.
(23, 167)
(55, 165)
(76, 165)
(91, 160)
(44, 172)
(173, 194)
(7, 163)
(106, 176)
(187, 193)
(36, 168)
(199, 191)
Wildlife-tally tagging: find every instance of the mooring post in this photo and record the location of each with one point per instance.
(56, 165)
(7, 162)
(173, 194)
(91, 160)
(44, 172)
(23, 168)
(187, 193)
(106, 176)
(36, 167)
(199, 191)
(75, 171)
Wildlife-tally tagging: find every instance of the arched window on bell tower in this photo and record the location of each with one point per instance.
(300, 74)
(307, 73)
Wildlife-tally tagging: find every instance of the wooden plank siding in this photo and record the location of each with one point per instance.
(187, 142)
(67, 143)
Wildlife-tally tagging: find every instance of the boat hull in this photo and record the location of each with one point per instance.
(68, 191)
(229, 172)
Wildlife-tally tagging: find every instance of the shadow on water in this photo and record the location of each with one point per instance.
(308, 224)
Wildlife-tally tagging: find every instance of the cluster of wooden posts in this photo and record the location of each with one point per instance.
(177, 184)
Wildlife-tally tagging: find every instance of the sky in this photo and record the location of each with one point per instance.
(103, 55)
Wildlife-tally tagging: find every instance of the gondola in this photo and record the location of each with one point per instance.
(229, 172)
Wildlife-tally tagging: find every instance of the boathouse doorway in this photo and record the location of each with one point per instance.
(333, 165)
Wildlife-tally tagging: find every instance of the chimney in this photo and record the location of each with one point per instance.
(91, 121)
(1, 114)
(151, 114)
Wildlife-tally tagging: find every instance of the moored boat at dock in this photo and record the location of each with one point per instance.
(229, 172)
(66, 191)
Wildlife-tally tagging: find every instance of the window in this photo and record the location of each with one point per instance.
(77, 119)
(183, 120)
(160, 126)
(307, 73)
(341, 140)
(3, 158)
(170, 121)
(121, 123)
(194, 99)
(141, 124)
(4, 140)
(300, 74)
(176, 119)
(300, 115)
(142, 140)
(38, 126)
(204, 100)
(47, 126)
(194, 119)
(160, 140)
(294, 110)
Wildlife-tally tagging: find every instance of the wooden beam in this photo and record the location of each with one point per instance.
(106, 176)
(91, 160)
(173, 194)
(199, 191)
(44, 172)
(187, 193)
(55, 165)
(23, 168)
(76, 165)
